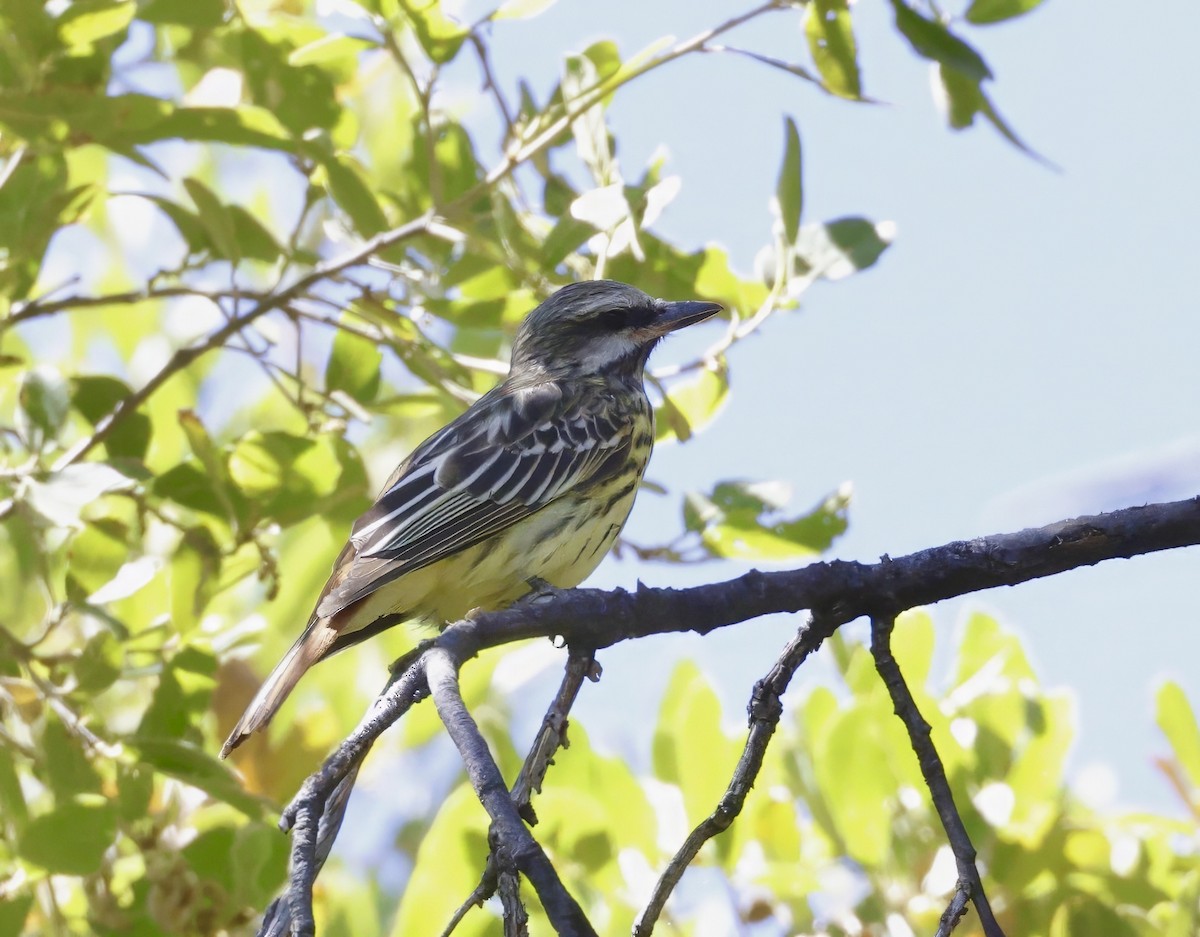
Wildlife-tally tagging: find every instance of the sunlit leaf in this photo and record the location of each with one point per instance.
(440, 36)
(742, 519)
(72, 838)
(982, 12)
(691, 404)
(193, 766)
(830, 32)
(1177, 720)
(521, 9)
(62, 496)
(86, 21)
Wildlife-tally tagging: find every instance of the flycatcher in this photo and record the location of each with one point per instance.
(534, 481)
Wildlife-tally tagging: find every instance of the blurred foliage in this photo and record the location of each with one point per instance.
(838, 835)
(180, 423)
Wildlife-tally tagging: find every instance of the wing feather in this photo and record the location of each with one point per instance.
(507, 457)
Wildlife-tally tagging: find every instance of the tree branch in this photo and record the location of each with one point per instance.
(275, 300)
(837, 591)
(919, 735)
(765, 709)
(511, 840)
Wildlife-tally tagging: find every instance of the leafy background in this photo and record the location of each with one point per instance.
(186, 157)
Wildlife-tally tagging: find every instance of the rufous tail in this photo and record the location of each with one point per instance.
(309, 648)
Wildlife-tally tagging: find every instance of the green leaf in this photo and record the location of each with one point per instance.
(353, 366)
(332, 47)
(12, 798)
(851, 762)
(690, 748)
(190, 485)
(95, 555)
(135, 788)
(260, 863)
(95, 397)
(61, 498)
(830, 33)
(982, 12)
(349, 189)
(837, 249)
(85, 21)
(289, 478)
(254, 240)
(198, 14)
(13, 912)
(740, 519)
(67, 768)
(72, 838)
(1084, 914)
(932, 40)
(789, 190)
(691, 404)
(100, 663)
(185, 762)
(216, 220)
(445, 865)
(521, 9)
(964, 97)
(217, 475)
(1177, 721)
(439, 35)
(44, 403)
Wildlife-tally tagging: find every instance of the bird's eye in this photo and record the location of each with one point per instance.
(613, 319)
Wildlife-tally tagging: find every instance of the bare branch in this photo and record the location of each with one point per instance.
(919, 735)
(764, 710)
(511, 840)
(839, 591)
(275, 300)
(552, 734)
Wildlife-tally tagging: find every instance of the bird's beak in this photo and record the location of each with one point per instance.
(672, 316)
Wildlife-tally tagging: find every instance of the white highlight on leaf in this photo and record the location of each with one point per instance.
(995, 802)
(63, 496)
(218, 87)
(129, 578)
(667, 801)
(964, 731)
(659, 197)
(518, 668)
(942, 876)
(1096, 785)
(1125, 852)
(604, 207)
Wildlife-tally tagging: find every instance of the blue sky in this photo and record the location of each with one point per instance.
(1025, 351)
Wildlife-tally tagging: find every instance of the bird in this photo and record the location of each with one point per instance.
(531, 484)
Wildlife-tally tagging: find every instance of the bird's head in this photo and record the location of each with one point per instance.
(599, 327)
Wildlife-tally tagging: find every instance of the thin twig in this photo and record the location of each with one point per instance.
(919, 735)
(551, 735)
(764, 710)
(185, 356)
(513, 843)
(36, 308)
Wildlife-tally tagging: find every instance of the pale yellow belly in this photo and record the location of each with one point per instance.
(561, 544)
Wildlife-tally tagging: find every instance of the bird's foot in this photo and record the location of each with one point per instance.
(539, 590)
